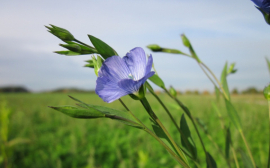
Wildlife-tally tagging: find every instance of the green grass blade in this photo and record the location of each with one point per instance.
(211, 163)
(233, 115)
(224, 81)
(79, 113)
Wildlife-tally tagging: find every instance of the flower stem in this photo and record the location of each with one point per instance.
(174, 122)
(226, 97)
(268, 165)
(192, 120)
(155, 136)
(148, 108)
(249, 152)
(220, 85)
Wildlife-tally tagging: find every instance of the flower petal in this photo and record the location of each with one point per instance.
(114, 68)
(108, 90)
(149, 64)
(136, 62)
(131, 86)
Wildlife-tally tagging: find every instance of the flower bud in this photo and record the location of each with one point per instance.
(185, 41)
(72, 47)
(266, 92)
(154, 47)
(231, 69)
(61, 33)
(97, 64)
(173, 91)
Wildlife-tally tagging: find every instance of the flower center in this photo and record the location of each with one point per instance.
(130, 76)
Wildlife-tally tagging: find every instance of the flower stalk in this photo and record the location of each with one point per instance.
(183, 163)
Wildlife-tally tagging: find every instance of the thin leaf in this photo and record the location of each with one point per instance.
(186, 139)
(224, 81)
(122, 116)
(79, 113)
(227, 143)
(233, 115)
(67, 53)
(103, 49)
(246, 160)
(211, 163)
(161, 134)
(157, 80)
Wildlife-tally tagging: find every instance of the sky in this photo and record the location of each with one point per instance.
(220, 31)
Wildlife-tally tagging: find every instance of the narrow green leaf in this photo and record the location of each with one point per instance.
(123, 116)
(246, 160)
(79, 113)
(67, 53)
(161, 134)
(211, 163)
(104, 49)
(233, 115)
(157, 80)
(268, 63)
(186, 139)
(227, 143)
(224, 81)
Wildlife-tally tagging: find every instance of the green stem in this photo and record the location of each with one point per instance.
(220, 85)
(175, 124)
(207, 74)
(226, 96)
(235, 158)
(268, 165)
(82, 43)
(148, 108)
(231, 144)
(192, 120)
(158, 139)
(249, 152)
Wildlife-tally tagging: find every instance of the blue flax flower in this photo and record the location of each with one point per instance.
(118, 76)
(263, 5)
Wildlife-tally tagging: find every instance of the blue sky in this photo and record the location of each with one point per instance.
(220, 31)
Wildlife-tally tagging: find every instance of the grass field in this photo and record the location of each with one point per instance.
(56, 140)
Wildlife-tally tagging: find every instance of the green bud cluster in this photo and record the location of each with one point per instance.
(61, 33)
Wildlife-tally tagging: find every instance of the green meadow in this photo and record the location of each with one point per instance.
(47, 138)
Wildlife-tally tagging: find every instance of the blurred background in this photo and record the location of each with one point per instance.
(33, 135)
(232, 31)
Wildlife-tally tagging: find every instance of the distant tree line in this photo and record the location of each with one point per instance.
(13, 89)
(21, 89)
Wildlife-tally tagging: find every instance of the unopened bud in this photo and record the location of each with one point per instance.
(61, 33)
(154, 47)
